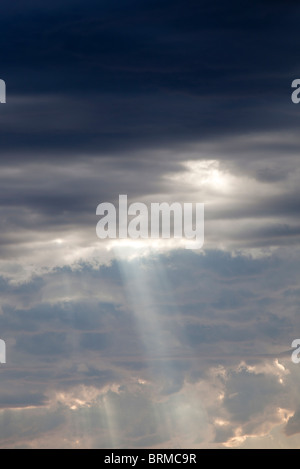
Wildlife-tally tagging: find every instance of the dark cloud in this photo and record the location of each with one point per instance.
(94, 341)
(145, 74)
(19, 401)
(247, 394)
(48, 344)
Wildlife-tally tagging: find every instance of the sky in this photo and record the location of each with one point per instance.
(140, 344)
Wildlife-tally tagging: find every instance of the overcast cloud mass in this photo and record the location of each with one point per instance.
(135, 345)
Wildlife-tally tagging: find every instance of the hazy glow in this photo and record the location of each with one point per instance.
(205, 175)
